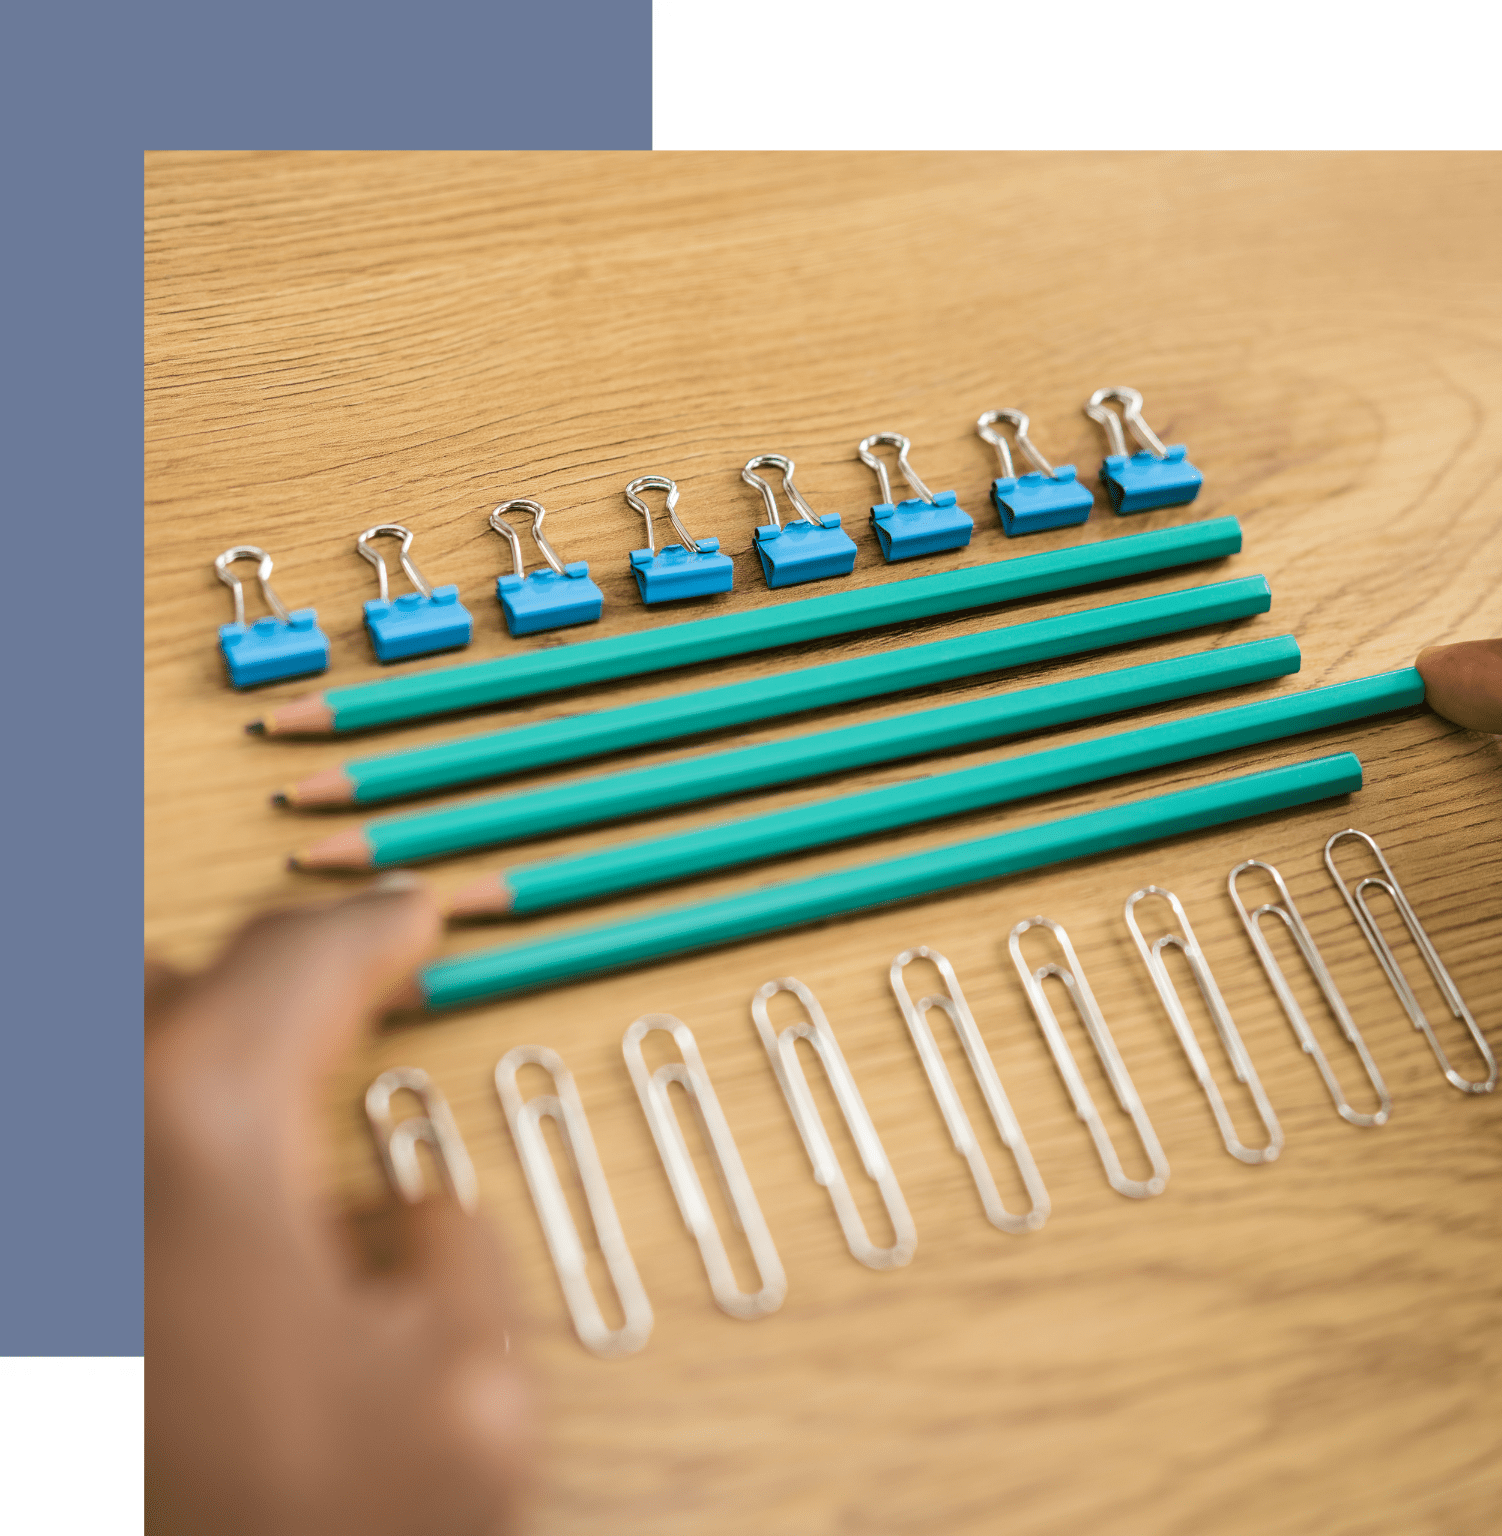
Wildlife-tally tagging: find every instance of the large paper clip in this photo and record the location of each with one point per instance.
(552, 598)
(925, 523)
(1225, 1026)
(282, 644)
(694, 568)
(806, 549)
(782, 1051)
(1042, 498)
(960, 1130)
(1288, 914)
(1073, 977)
(1356, 900)
(397, 1140)
(567, 1113)
(657, 1106)
(1154, 476)
(419, 622)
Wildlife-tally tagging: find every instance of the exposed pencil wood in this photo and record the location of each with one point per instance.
(1312, 1348)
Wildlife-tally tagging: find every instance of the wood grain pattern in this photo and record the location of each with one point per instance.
(1315, 1346)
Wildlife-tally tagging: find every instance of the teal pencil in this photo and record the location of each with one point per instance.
(640, 791)
(521, 675)
(540, 887)
(681, 930)
(679, 716)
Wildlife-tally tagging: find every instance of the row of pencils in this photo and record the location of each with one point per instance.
(415, 835)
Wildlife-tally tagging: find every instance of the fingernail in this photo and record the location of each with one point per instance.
(395, 883)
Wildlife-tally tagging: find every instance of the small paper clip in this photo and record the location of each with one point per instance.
(1355, 897)
(419, 622)
(1288, 913)
(1044, 497)
(282, 644)
(924, 524)
(567, 1113)
(960, 1130)
(397, 1141)
(1088, 1009)
(548, 599)
(690, 569)
(657, 1106)
(1225, 1026)
(1153, 477)
(807, 549)
(782, 1050)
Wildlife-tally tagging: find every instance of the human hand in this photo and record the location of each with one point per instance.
(290, 1391)
(1463, 682)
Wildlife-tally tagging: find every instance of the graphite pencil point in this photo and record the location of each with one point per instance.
(256, 728)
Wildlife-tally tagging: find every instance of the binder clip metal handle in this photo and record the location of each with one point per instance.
(902, 445)
(660, 483)
(986, 427)
(794, 495)
(392, 531)
(222, 564)
(502, 527)
(1130, 401)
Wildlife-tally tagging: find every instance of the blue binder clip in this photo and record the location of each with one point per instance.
(806, 550)
(924, 524)
(1153, 477)
(1044, 497)
(419, 622)
(549, 599)
(279, 646)
(689, 569)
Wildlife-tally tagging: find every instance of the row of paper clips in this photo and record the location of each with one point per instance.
(436, 1127)
(808, 546)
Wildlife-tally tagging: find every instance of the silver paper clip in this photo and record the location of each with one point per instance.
(567, 1113)
(960, 1130)
(1288, 913)
(782, 1050)
(1356, 900)
(1080, 994)
(652, 1089)
(397, 1140)
(1225, 1026)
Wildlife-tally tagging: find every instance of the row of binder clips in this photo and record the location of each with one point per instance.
(435, 1126)
(808, 546)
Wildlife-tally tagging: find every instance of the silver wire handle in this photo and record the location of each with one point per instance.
(566, 1111)
(397, 1140)
(794, 495)
(657, 1106)
(1225, 1026)
(986, 428)
(392, 531)
(1288, 914)
(659, 483)
(1073, 977)
(902, 445)
(1356, 900)
(782, 1051)
(961, 1133)
(1131, 414)
(222, 564)
(502, 527)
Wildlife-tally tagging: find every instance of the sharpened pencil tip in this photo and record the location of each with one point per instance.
(280, 798)
(292, 862)
(256, 728)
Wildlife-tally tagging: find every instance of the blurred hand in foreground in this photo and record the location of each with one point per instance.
(1463, 682)
(290, 1391)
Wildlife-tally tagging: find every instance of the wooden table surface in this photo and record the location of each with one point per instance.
(335, 340)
